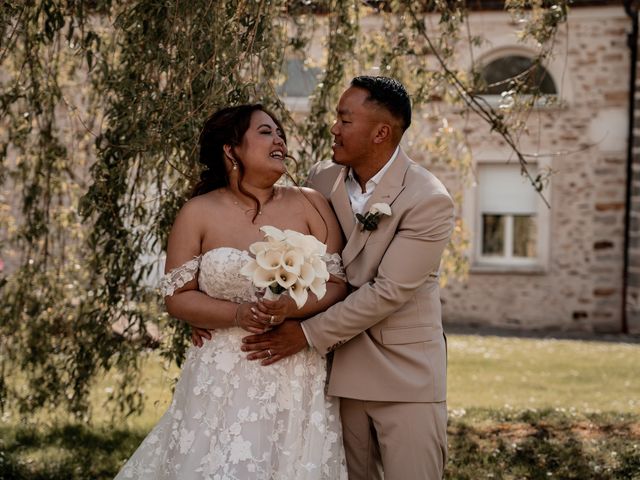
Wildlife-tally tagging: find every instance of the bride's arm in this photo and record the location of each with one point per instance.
(187, 303)
(324, 226)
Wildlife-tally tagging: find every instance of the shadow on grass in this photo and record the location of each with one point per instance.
(66, 452)
(542, 445)
(494, 444)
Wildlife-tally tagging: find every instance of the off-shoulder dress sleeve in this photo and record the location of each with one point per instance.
(334, 265)
(179, 276)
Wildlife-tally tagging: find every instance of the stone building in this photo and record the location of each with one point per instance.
(568, 266)
(576, 265)
(573, 265)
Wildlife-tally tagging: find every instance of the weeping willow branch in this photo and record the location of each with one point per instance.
(100, 107)
(478, 104)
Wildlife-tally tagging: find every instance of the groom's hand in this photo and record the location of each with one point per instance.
(277, 344)
(199, 335)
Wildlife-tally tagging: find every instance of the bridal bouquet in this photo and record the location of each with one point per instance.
(288, 261)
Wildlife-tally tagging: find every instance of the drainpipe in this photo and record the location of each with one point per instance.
(632, 42)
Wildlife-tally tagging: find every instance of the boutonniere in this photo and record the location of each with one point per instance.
(370, 220)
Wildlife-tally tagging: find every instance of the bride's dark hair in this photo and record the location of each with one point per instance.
(227, 126)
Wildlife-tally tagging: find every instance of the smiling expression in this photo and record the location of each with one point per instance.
(263, 148)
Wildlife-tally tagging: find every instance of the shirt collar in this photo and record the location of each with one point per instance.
(375, 180)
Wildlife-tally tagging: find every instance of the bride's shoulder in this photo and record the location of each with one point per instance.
(198, 207)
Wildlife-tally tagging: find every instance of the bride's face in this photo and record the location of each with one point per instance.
(263, 149)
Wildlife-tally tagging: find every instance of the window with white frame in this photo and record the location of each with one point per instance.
(510, 226)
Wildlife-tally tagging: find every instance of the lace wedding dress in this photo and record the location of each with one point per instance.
(233, 419)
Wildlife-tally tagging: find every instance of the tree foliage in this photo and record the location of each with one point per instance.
(101, 104)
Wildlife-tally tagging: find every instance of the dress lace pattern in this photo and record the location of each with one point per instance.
(179, 277)
(334, 265)
(233, 419)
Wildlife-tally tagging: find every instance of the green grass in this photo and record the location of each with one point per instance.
(515, 373)
(519, 409)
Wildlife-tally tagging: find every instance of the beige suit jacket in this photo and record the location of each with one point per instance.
(389, 329)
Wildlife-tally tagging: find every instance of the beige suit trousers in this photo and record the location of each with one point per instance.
(394, 440)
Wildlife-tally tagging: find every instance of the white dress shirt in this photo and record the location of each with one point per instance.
(359, 198)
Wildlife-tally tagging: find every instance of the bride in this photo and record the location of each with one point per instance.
(231, 418)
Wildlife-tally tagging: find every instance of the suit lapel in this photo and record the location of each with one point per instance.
(341, 204)
(390, 186)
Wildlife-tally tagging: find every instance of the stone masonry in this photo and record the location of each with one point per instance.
(579, 286)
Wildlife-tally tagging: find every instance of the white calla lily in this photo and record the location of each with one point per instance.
(307, 274)
(318, 287)
(249, 268)
(299, 293)
(382, 208)
(320, 268)
(307, 243)
(269, 259)
(285, 279)
(273, 233)
(258, 247)
(263, 278)
(292, 260)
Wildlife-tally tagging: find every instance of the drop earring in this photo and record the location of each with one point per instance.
(235, 165)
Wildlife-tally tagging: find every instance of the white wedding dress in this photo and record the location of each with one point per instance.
(233, 419)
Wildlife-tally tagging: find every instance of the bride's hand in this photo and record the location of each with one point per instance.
(274, 312)
(248, 318)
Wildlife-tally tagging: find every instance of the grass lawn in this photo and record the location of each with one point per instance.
(519, 409)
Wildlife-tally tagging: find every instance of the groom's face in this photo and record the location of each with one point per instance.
(354, 128)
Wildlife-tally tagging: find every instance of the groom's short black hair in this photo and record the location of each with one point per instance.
(388, 93)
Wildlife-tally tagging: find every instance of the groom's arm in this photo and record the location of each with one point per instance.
(412, 256)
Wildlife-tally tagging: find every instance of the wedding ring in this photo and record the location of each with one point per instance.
(269, 353)
(272, 320)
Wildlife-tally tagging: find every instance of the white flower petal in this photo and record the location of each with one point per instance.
(299, 294)
(249, 268)
(382, 208)
(273, 233)
(318, 287)
(309, 244)
(269, 259)
(292, 260)
(263, 278)
(307, 274)
(258, 247)
(285, 279)
(320, 268)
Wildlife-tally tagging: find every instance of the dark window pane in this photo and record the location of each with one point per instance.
(493, 234)
(524, 236)
(499, 75)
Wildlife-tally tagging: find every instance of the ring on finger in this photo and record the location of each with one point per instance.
(272, 319)
(269, 353)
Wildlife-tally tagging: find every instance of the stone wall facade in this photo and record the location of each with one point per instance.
(578, 285)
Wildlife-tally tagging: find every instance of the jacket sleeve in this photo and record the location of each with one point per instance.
(312, 171)
(412, 256)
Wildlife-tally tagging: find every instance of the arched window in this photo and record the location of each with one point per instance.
(501, 74)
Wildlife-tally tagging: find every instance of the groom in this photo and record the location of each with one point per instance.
(389, 365)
